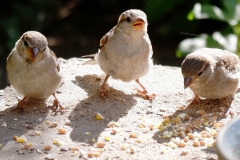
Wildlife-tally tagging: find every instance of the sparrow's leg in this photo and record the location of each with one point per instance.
(102, 91)
(144, 93)
(195, 99)
(21, 104)
(57, 104)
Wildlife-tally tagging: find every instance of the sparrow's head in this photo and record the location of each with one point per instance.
(133, 19)
(196, 68)
(31, 45)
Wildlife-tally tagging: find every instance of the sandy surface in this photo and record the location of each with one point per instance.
(131, 113)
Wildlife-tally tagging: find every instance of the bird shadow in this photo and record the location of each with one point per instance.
(86, 128)
(210, 106)
(16, 124)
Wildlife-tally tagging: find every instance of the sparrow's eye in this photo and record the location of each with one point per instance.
(200, 73)
(25, 43)
(128, 19)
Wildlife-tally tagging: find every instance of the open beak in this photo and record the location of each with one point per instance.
(138, 24)
(33, 52)
(187, 82)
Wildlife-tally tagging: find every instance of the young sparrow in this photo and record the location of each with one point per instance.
(125, 51)
(33, 69)
(211, 73)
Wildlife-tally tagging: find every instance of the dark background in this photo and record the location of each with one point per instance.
(75, 27)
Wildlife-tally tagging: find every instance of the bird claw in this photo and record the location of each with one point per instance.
(103, 93)
(57, 105)
(195, 99)
(21, 104)
(146, 95)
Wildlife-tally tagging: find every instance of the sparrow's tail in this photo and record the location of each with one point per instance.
(92, 60)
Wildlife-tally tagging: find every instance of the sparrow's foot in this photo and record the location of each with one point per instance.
(56, 104)
(102, 92)
(146, 95)
(194, 100)
(21, 104)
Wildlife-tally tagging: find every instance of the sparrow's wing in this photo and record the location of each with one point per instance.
(54, 55)
(228, 60)
(105, 38)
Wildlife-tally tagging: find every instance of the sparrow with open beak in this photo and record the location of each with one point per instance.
(211, 73)
(125, 51)
(33, 69)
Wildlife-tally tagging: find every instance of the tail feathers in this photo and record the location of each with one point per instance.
(90, 62)
(92, 56)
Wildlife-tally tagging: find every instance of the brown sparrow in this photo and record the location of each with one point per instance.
(33, 69)
(125, 51)
(211, 73)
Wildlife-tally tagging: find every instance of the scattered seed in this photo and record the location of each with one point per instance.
(48, 122)
(132, 150)
(202, 143)
(15, 138)
(186, 139)
(50, 157)
(138, 141)
(87, 133)
(99, 116)
(218, 125)
(62, 131)
(63, 148)
(101, 144)
(181, 144)
(4, 124)
(196, 144)
(114, 131)
(39, 151)
(67, 122)
(151, 126)
(184, 152)
(37, 133)
(27, 145)
(111, 124)
(21, 139)
(133, 135)
(53, 124)
(176, 120)
(191, 136)
(90, 154)
(201, 112)
(107, 138)
(47, 148)
(74, 149)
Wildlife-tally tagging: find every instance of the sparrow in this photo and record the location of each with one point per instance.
(33, 69)
(211, 73)
(126, 52)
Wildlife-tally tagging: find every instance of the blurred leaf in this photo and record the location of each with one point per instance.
(217, 40)
(190, 16)
(208, 11)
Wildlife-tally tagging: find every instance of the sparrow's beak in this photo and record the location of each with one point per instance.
(33, 52)
(187, 82)
(138, 24)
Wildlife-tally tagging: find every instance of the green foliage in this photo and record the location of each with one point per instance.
(228, 13)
